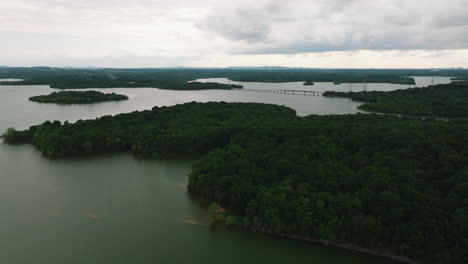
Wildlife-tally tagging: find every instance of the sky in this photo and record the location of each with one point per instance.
(220, 33)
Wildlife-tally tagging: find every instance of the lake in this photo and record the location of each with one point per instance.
(118, 209)
(421, 81)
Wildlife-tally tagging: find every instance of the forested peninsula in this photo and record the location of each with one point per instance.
(393, 184)
(78, 97)
(443, 100)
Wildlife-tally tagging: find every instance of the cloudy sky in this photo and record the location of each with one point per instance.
(207, 33)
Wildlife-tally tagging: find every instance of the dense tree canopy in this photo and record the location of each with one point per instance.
(191, 128)
(378, 182)
(75, 97)
(399, 184)
(443, 100)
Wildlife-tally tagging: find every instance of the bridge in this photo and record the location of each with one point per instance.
(298, 92)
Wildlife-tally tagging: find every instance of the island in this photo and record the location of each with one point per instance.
(309, 83)
(386, 185)
(443, 100)
(78, 97)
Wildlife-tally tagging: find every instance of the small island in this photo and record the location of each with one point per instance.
(75, 97)
(309, 83)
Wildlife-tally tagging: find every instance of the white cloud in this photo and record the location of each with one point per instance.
(145, 33)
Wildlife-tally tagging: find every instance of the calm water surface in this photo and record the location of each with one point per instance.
(117, 209)
(329, 86)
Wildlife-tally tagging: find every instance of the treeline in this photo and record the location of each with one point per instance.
(182, 79)
(443, 100)
(75, 97)
(102, 81)
(310, 76)
(397, 184)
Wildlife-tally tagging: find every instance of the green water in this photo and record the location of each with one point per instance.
(117, 209)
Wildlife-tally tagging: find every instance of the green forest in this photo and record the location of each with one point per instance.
(183, 78)
(443, 100)
(187, 129)
(77, 97)
(392, 183)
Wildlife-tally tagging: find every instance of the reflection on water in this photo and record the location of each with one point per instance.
(329, 86)
(10, 80)
(117, 209)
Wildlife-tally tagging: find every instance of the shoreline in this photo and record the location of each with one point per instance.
(346, 246)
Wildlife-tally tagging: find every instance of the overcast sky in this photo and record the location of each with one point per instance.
(207, 33)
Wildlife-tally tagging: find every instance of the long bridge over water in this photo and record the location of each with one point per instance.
(298, 92)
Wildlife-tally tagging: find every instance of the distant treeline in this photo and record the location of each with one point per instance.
(381, 182)
(443, 100)
(182, 78)
(312, 76)
(77, 97)
(99, 79)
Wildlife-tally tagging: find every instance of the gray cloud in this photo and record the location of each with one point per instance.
(338, 25)
(457, 18)
(225, 32)
(246, 22)
(249, 26)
